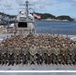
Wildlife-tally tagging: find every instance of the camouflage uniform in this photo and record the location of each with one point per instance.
(53, 56)
(4, 55)
(0, 54)
(17, 51)
(32, 52)
(62, 50)
(39, 55)
(45, 55)
(25, 55)
(74, 54)
(62, 56)
(71, 55)
(57, 52)
(10, 54)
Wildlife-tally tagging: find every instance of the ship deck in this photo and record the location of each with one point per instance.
(38, 67)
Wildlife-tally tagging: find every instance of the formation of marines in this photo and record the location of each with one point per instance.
(37, 49)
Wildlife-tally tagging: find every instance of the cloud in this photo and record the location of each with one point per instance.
(37, 2)
(19, 1)
(9, 8)
(64, 5)
(74, 0)
(0, 0)
(7, 3)
(60, 7)
(54, 5)
(34, 1)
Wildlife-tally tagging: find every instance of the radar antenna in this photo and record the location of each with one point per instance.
(26, 8)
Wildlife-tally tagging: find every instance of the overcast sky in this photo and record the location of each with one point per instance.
(55, 7)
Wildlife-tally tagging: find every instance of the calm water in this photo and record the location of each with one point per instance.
(56, 27)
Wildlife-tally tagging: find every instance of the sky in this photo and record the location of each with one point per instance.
(55, 7)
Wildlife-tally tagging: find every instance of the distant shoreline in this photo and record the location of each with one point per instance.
(55, 20)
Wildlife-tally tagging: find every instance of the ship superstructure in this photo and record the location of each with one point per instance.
(25, 21)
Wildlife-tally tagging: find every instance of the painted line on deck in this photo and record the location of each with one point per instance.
(38, 71)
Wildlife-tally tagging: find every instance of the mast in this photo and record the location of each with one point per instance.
(27, 12)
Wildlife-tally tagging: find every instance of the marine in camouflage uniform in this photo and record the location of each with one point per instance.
(40, 51)
(0, 55)
(53, 56)
(62, 57)
(33, 52)
(71, 55)
(50, 52)
(11, 53)
(74, 59)
(3, 54)
(45, 55)
(25, 54)
(56, 52)
(17, 51)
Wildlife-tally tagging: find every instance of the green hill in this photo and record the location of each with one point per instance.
(45, 16)
(50, 16)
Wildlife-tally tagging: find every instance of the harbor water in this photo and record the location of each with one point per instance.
(57, 27)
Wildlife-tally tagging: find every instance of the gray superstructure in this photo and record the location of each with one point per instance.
(25, 21)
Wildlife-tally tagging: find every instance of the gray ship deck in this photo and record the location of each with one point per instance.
(39, 67)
